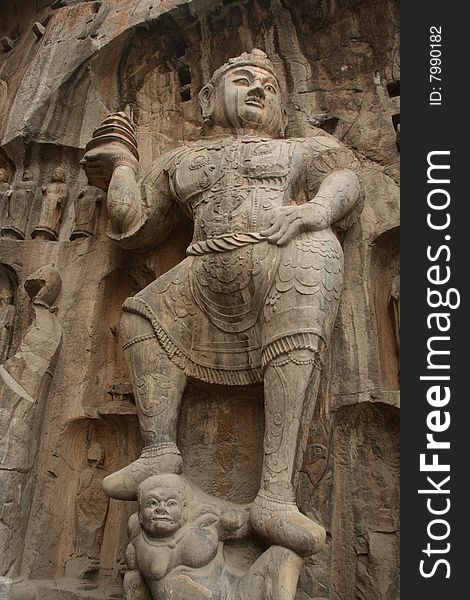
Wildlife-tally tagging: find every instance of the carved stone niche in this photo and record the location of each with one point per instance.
(91, 507)
(109, 390)
(87, 545)
(385, 282)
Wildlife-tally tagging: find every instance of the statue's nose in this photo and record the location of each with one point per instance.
(257, 90)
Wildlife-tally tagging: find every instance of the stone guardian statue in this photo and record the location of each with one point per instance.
(256, 298)
(177, 549)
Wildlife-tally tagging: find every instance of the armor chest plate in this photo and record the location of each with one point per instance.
(231, 187)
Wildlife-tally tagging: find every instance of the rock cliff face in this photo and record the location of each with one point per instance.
(64, 66)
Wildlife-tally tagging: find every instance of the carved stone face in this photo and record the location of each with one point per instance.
(3, 176)
(58, 175)
(248, 97)
(95, 455)
(6, 297)
(161, 512)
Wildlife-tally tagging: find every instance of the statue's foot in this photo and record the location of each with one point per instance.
(154, 460)
(280, 522)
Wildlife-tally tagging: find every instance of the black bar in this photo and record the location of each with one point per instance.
(432, 124)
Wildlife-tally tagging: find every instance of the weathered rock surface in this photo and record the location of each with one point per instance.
(339, 64)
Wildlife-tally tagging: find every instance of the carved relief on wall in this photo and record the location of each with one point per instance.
(24, 385)
(54, 198)
(87, 211)
(91, 507)
(151, 62)
(20, 201)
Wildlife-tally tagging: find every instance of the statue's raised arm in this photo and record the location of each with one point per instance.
(140, 213)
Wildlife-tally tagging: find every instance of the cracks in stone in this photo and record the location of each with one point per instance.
(95, 87)
(342, 138)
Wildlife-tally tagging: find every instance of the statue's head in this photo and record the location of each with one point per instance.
(27, 176)
(6, 296)
(244, 95)
(3, 175)
(58, 174)
(162, 504)
(43, 286)
(95, 454)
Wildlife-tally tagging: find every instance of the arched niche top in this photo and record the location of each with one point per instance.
(388, 238)
(8, 280)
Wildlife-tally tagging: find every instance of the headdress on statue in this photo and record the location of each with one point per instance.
(255, 58)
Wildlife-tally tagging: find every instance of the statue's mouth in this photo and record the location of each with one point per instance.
(162, 518)
(255, 102)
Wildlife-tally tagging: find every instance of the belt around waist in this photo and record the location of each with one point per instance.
(224, 243)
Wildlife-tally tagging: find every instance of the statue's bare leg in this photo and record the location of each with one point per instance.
(273, 576)
(158, 386)
(290, 388)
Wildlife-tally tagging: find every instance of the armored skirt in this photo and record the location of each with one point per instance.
(223, 316)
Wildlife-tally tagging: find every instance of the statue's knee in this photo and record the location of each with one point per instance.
(304, 356)
(300, 357)
(133, 326)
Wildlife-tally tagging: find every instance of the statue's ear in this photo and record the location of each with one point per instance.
(206, 101)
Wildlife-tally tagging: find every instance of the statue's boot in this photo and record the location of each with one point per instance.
(280, 522)
(154, 460)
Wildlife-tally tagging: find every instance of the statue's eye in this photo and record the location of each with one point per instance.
(270, 88)
(242, 81)
(171, 503)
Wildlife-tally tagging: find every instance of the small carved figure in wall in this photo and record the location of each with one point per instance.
(395, 307)
(87, 210)
(54, 199)
(256, 298)
(177, 549)
(20, 200)
(91, 506)
(7, 317)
